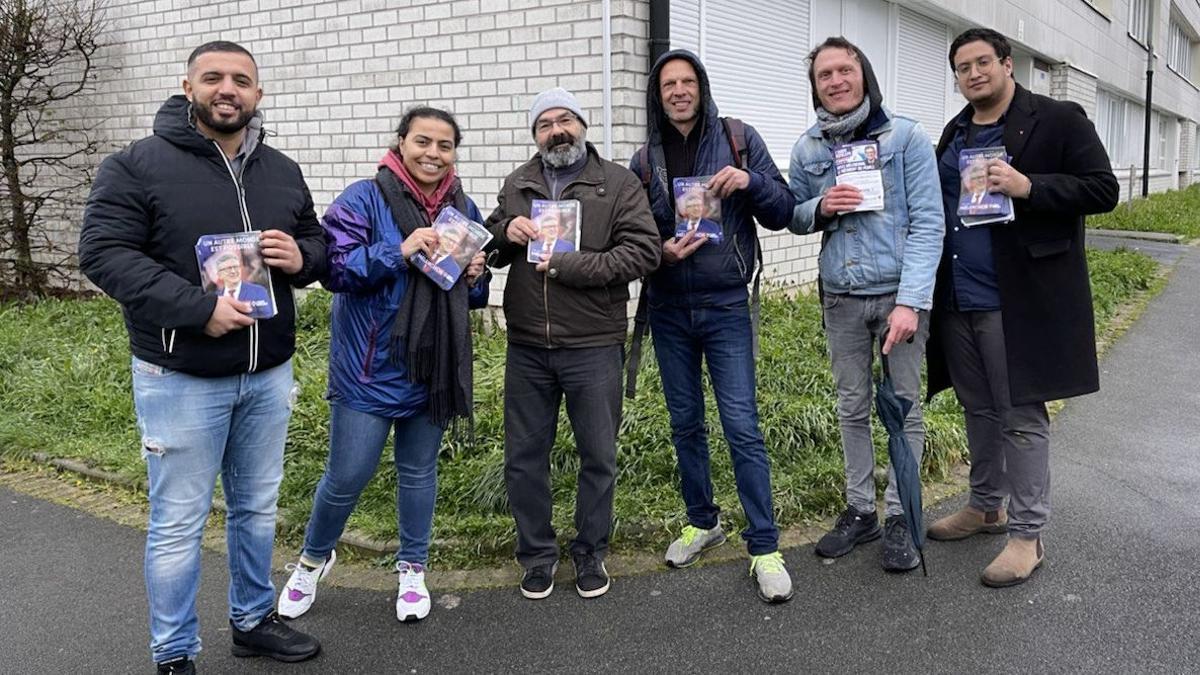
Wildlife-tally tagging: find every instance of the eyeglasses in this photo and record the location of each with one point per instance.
(982, 64)
(566, 121)
(229, 268)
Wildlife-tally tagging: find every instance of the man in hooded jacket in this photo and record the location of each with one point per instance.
(212, 386)
(877, 270)
(699, 308)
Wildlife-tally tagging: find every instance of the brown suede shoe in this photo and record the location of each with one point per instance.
(966, 522)
(1015, 563)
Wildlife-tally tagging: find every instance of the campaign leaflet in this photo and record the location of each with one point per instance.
(232, 265)
(557, 223)
(858, 164)
(977, 206)
(697, 208)
(459, 239)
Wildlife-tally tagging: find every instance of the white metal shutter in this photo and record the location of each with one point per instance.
(754, 54)
(685, 25)
(920, 90)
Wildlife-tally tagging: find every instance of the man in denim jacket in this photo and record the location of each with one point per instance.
(877, 270)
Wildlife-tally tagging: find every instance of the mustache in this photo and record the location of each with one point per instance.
(559, 139)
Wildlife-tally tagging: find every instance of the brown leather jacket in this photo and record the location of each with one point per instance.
(581, 300)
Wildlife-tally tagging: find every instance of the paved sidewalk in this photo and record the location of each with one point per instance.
(1118, 592)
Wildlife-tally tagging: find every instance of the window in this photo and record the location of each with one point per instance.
(1119, 123)
(1139, 26)
(1179, 49)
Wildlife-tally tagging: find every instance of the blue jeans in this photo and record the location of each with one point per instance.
(683, 336)
(356, 441)
(194, 428)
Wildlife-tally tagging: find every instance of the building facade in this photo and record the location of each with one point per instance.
(338, 74)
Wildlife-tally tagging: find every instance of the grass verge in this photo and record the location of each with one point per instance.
(1173, 212)
(66, 393)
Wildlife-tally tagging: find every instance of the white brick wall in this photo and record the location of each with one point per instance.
(337, 76)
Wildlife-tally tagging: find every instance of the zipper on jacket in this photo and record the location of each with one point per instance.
(246, 227)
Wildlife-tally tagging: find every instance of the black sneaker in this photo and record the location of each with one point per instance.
(899, 553)
(538, 581)
(852, 529)
(591, 578)
(275, 639)
(180, 666)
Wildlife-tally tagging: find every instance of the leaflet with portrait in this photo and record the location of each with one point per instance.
(459, 239)
(977, 206)
(697, 209)
(858, 164)
(232, 265)
(557, 224)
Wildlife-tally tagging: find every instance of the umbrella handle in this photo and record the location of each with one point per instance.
(883, 359)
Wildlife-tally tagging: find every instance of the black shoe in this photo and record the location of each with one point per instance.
(852, 529)
(591, 578)
(274, 638)
(538, 581)
(899, 553)
(180, 666)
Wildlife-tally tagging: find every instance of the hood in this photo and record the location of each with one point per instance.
(870, 84)
(174, 124)
(654, 109)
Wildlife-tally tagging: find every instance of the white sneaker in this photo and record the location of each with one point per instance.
(412, 597)
(301, 589)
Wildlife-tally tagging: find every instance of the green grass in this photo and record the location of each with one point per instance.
(1174, 212)
(65, 392)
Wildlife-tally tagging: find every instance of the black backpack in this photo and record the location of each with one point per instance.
(735, 131)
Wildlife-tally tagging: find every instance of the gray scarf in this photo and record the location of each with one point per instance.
(840, 128)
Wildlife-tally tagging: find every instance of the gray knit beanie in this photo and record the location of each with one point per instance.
(555, 98)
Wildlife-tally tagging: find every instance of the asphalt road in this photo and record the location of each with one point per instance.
(1118, 593)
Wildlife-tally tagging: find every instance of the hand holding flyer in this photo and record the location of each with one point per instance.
(558, 228)
(858, 164)
(976, 205)
(232, 265)
(697, 209)
(459, 239)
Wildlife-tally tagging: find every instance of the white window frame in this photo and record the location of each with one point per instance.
(1138, 28)
(1180, 47)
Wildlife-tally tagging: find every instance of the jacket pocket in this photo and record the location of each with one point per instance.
(820, 176)
(369, 354)
(1045, 249)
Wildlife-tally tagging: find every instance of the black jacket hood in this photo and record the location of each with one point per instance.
(173, 123)
(656, 115)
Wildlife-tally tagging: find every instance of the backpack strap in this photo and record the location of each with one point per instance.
(641, 321)
(735, 131)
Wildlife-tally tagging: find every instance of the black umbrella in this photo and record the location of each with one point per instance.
(892, 410)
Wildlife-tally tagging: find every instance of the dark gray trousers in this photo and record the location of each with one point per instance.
(535, 382)
(1010, 445)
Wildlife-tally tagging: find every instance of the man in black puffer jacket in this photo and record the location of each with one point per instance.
(212, 386)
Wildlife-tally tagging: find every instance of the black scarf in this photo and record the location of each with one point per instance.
(431, 335)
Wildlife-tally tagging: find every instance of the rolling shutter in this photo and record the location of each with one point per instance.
(922, 72)
(754, 54)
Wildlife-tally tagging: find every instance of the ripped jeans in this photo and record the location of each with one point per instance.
(194, 429)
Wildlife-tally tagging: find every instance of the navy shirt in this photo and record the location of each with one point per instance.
(973, 286)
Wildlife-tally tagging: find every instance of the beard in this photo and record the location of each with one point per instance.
(204, 113)
(563, 150)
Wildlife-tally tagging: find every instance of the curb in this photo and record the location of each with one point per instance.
(1132, 234)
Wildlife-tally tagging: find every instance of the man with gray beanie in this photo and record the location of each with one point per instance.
(877, 268)
(566, 320)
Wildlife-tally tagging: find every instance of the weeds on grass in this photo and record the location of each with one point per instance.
(1173, 212)
(66, 392)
